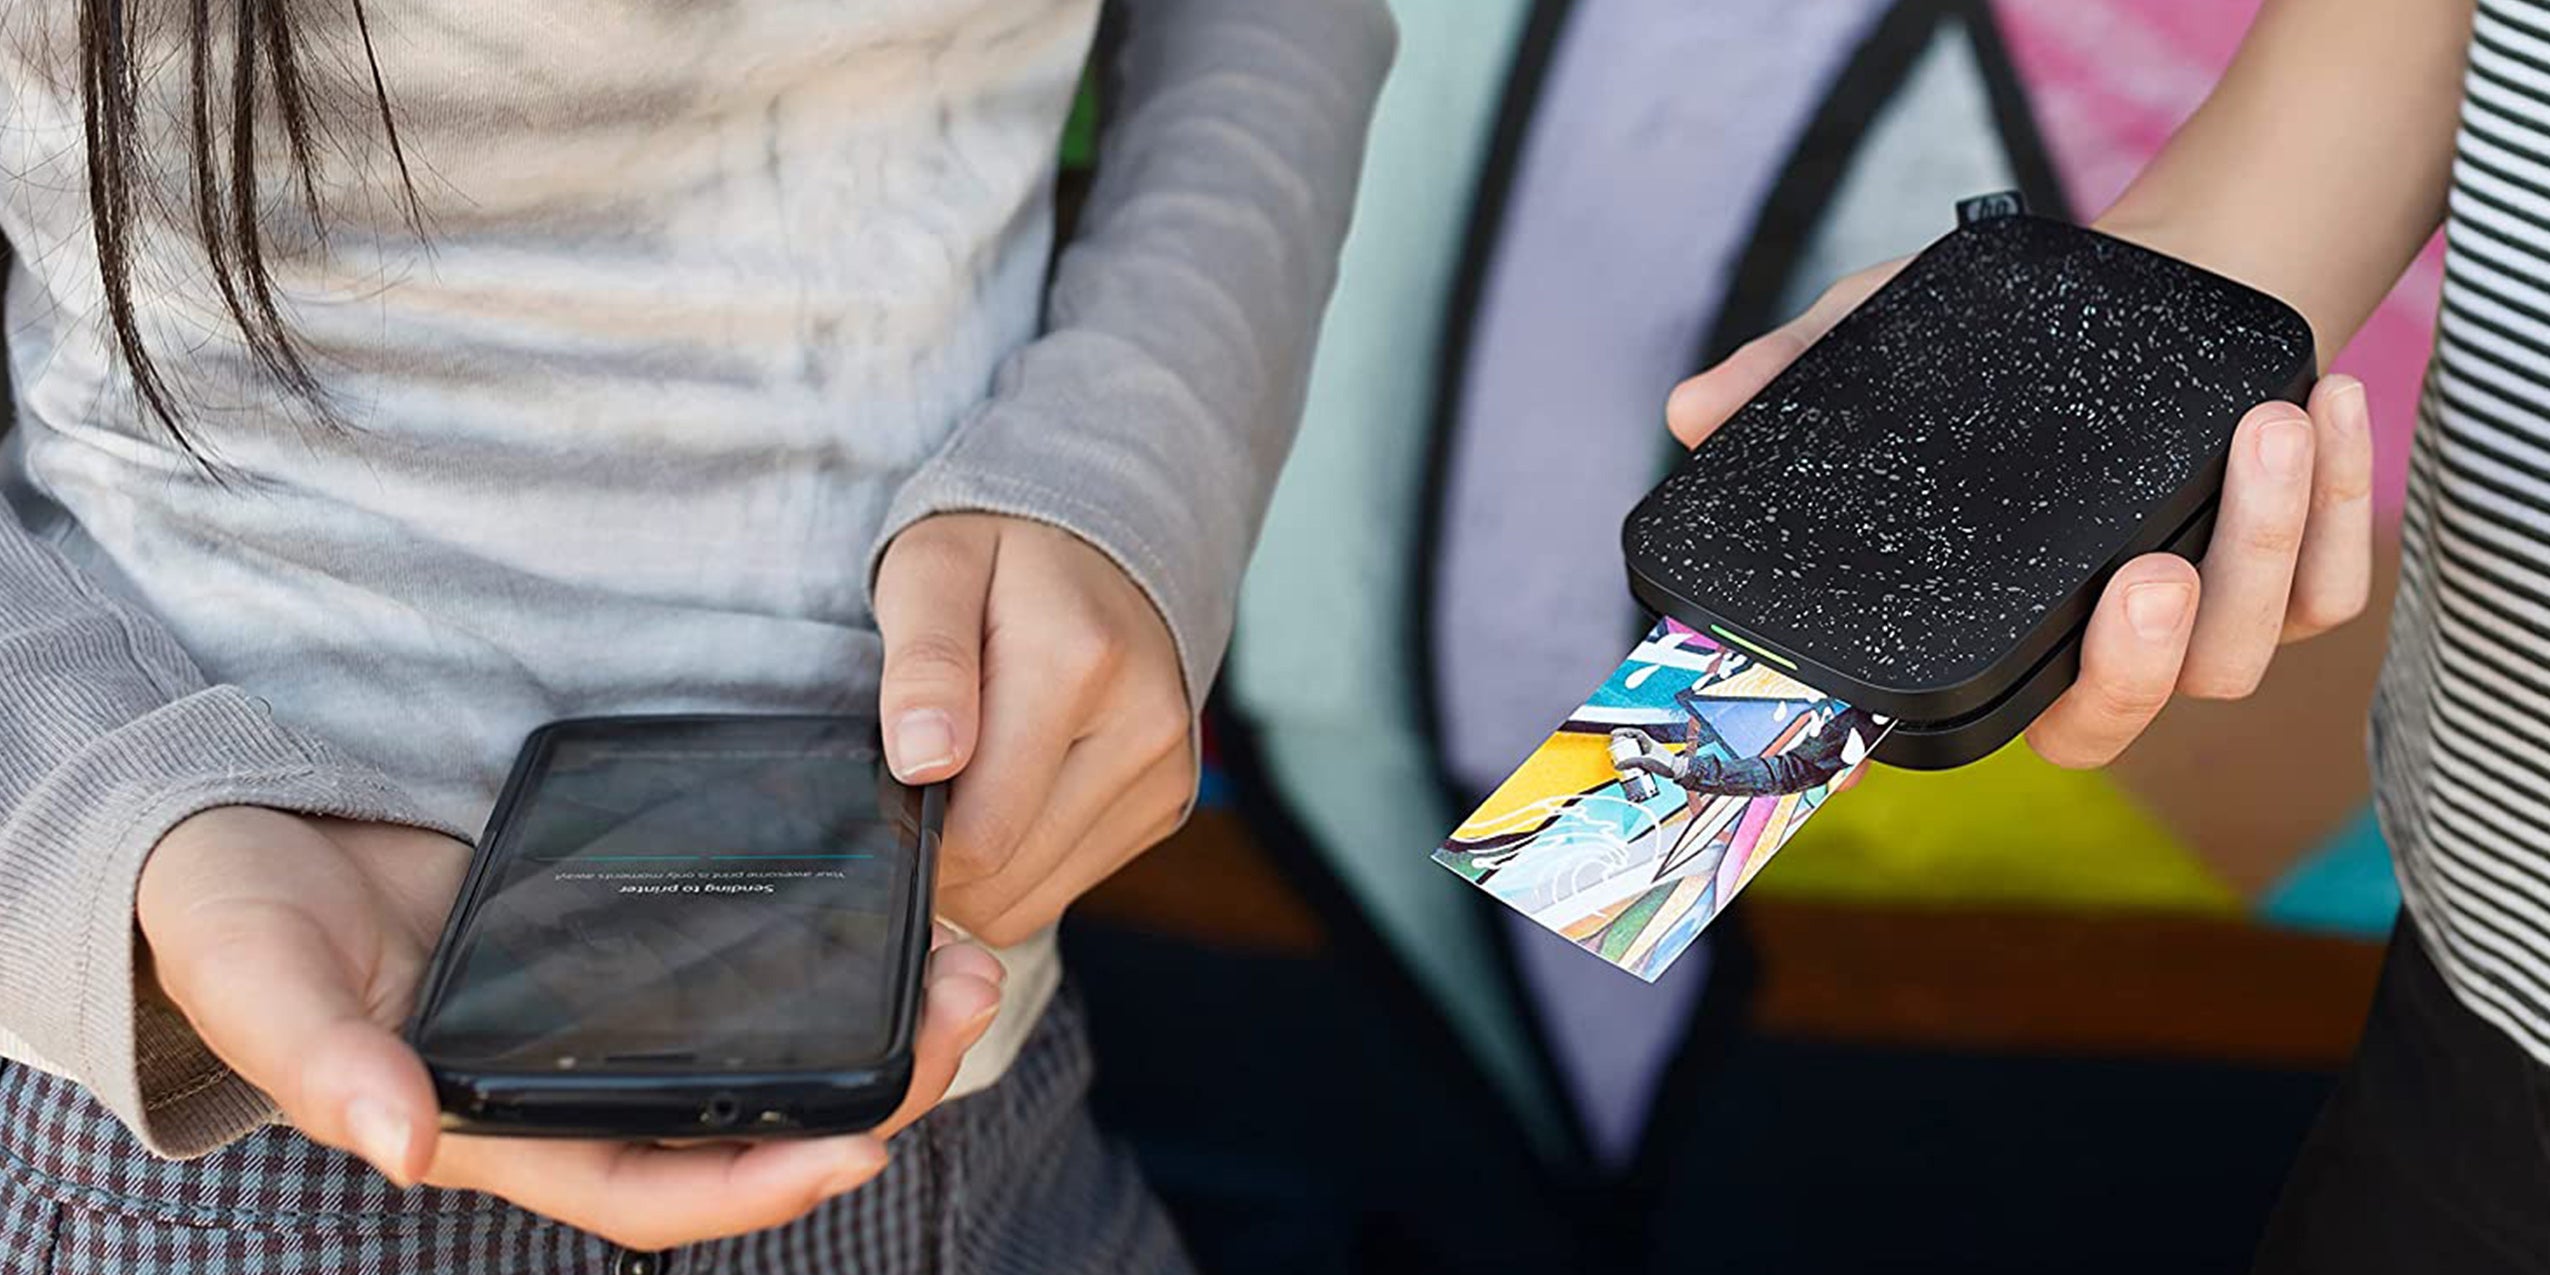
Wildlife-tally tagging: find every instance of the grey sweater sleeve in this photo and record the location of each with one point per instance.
(108, 737)
(1152, 415)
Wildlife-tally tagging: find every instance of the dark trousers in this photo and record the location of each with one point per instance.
(2433, 1154)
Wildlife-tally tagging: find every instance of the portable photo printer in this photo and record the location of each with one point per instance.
(1917, 517)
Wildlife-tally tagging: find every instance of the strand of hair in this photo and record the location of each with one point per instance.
(269, 337)
(212, 200)
(108, 128)
(389, 122)
(283, 61)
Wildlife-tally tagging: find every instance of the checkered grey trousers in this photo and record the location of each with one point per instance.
(1009, 1181)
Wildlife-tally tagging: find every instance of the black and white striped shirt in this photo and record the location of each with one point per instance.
(2461, 726)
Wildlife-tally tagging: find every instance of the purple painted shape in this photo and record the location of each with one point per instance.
(1661, 126)
(1611, 1033)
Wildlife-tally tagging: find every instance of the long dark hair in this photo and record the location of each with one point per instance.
(223, 123)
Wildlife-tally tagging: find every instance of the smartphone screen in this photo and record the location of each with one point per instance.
(702, 893)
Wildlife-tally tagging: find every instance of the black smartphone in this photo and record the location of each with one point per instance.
(686, 927)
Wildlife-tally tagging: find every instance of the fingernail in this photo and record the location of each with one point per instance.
(2285, 446)
(924, 740)
(380, 1133)
(2354, 415)
(860, 1162)
(2155, 609)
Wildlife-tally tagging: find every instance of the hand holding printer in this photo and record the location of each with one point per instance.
(1955, 502)
(2290, 555)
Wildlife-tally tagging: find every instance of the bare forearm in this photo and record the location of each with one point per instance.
(2318, 166)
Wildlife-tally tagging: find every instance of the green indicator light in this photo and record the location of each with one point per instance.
(1783, 663)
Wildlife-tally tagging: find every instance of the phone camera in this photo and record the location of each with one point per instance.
(722, 1111)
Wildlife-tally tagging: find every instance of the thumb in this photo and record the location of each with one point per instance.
(959, 1000)
(273, 998)
(1700, 405)
(930, 598)
(1703, 403)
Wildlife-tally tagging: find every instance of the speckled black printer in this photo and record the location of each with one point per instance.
(1919, 514)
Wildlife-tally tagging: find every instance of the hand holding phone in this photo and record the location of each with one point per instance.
(681, 927)
(295, 946)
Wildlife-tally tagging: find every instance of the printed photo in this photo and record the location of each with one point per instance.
(1655, 802)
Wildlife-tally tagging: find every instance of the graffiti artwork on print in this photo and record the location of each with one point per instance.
(1657, 800)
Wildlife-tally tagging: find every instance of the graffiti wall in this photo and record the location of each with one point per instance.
(1573, 203)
